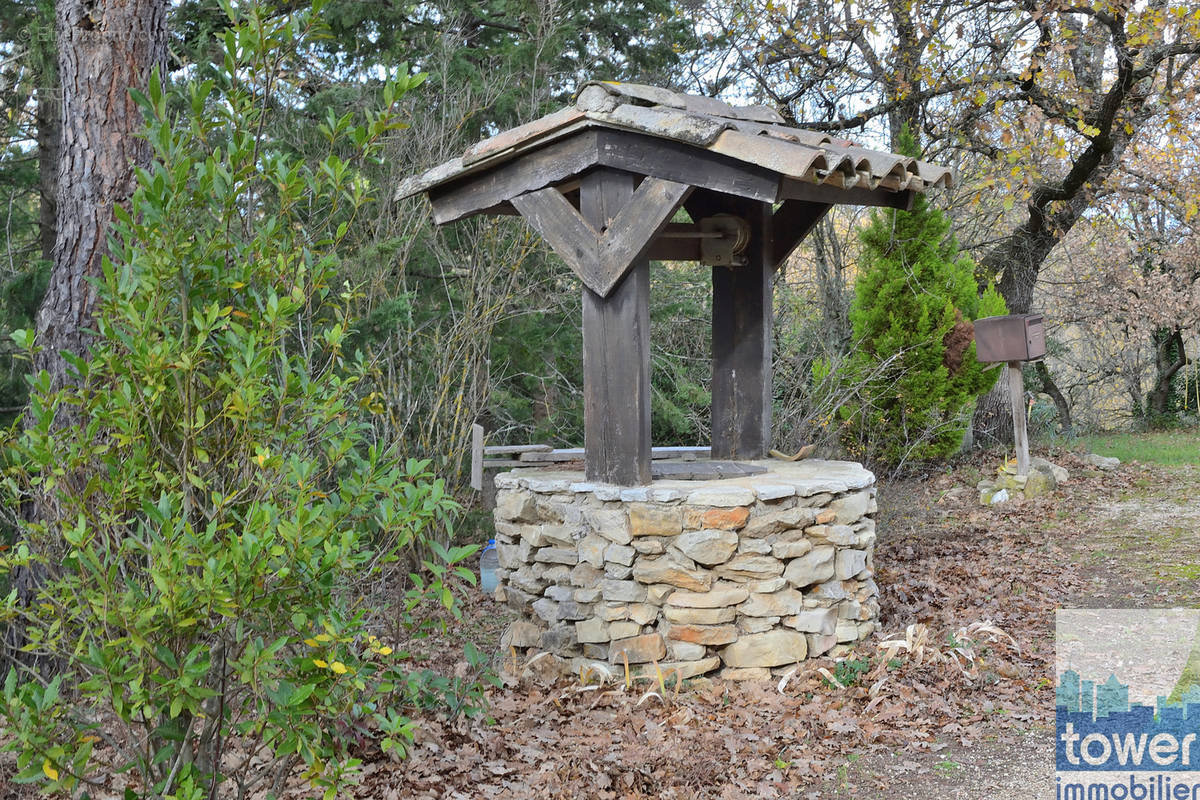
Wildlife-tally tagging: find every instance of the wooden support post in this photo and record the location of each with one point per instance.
(1016, 393)
(616, 352)
(477, 457)
(741, 344)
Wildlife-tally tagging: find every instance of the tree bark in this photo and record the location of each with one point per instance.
(105, 48)
(1169, 357)
(1060, 401)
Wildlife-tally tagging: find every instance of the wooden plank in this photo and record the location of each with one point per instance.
(628, 237)
(510, 449)
(557, 161)
(500, 463)
(568, 234)
(576, 453)
(741, 345)
(790, 224)
(616, 352)
(681, 163)
(793, 189)
(602, 257)
(477, 457)
(1016, 394)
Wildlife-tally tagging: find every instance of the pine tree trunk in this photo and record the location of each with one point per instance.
(105, 47)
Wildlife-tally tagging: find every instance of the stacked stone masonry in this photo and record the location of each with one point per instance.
(747, 576)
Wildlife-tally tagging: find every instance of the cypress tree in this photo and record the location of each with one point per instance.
(913, 358)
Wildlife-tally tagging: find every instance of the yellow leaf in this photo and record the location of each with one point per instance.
(50, 771)
(320, 663)
(324, 637)
(311, 642)
(260, 459)
(339, 668)
(385, 651)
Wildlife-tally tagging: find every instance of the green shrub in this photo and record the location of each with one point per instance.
(206, 534)
(914, 381)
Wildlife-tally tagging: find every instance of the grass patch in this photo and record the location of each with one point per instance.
(1162, 447)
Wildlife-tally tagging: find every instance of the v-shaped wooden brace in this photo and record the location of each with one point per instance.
(601, 258)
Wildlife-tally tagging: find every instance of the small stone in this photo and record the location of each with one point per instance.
(509, 556)
(635, 494)
(765, 586)
(849, 508)
(623, 630)
(591, 549)
(826, 517)
(770, 649)
(699, 616)
(820, 643)
(590, 594)
(619, 554)
(1039, 483)
(665, 570)
(774, 491)
(559, 573)
(557, 555)
(612, 612)
(596, 652)
(1102, 462)
(585, 575)
(638, 649)
(654, 520)
(559, 639)
(516, 599)
(723, 496)
(849, 609)
(842, 535)
(570, 610)
(520, 634)
(746, 674)
(658, 593)
(686, 651)
(791, 549)
(532, 537)
(517, 506)
(818, 500)
(623, 591)
(758, 547)
(778, 604)
(665, 495)
(610, 523)
(717, 597)
(643, 613)
(726, 519)
(591, 630)
(560, 593)
(528, 579)
(681, 669)
(1060, 473)
(562, 535)
(617, 571)
(703, 634)
(847, 631)
(814, 567)
(751, 567)
(757, 624)
(546, 608)
(814, 620)
(850, 563)
(778, 521)
(649, 546)
(832, 591)
(708, 547)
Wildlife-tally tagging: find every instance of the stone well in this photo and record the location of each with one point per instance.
(745, 575)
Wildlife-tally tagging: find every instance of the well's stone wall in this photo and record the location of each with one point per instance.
(744, 575)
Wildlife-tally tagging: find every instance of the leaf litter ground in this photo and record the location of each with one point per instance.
(962, 708)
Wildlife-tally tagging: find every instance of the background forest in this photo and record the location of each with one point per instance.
(1072, 130)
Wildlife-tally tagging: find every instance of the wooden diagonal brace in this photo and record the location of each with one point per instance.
(601, 259)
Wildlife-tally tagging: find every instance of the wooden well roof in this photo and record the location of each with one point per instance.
(777, 162)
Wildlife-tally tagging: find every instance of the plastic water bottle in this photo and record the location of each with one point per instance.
(488, 562)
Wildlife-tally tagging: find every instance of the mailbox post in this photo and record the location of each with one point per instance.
(1013, 339)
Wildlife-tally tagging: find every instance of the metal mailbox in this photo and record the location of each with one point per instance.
(1016, 337)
